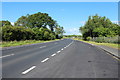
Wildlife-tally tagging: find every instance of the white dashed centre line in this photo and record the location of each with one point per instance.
(65, 47)
(58, 51)
(62, 49)
(44, 60)
(7, 55)
(28, 70)
(42, 46)
(53, 54)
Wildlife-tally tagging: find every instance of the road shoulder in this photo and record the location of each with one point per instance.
(112, 51)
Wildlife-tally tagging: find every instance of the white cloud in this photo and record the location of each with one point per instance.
(116, 22)
(12, 23)
(82, 22)
(72, 31)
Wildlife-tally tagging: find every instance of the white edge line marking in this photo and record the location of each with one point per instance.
(28, 70)
(53, 54)
(44, 60)
(7, 55)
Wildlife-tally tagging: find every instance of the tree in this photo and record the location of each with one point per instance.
(97, 26)
(22, 21)
(5, 23)
(59, 31)
(36, 20)
(38, 26)
(11, 33)
(46, 35)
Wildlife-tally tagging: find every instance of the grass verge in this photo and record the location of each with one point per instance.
(112, 45)
(18, 43)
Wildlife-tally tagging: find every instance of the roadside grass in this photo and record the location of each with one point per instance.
(112, 45)
(18, 43)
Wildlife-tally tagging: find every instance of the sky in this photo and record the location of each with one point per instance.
(70, 15)
(60, 0)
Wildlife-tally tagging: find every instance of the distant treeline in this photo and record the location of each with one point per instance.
(98, 26)
(71, 36)
(39, 26)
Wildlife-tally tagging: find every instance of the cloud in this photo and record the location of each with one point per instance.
(82, 22)
(72, 31)
(12, 23)
(117, 22)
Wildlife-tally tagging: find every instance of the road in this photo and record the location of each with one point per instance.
(59, 59)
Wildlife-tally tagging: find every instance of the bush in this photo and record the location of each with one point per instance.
(0, 33)
(38, 34)
(10, 33)
(52, 36)
(46, 35)
(106, 39)
(88, 38)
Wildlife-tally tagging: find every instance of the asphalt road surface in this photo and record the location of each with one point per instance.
(59, 59)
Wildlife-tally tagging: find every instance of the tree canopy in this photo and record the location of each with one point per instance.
(38, 26)
(36, 20)
(5, 23)
(98, 26)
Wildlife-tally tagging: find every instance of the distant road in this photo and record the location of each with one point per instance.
(59, 59)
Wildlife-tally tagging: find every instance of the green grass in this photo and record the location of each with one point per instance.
(104, 44)
(18, 43)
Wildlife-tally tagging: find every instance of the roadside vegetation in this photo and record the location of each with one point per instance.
(112, 45)
(18, 43)
(101, 31)
(98, 26)
(34, 28)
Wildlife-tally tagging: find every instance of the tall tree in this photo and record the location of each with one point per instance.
(22, 21)
(59, 31)
(36, 20)
(97, 26)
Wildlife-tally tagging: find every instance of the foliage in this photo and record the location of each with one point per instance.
(25, 42)
(38, 26)
(98, 26)
(22, 21)
(4, 23)
(36, 20)
(11, 33)
(75, 36)
(113, 45)
(59, 31)
(114, 39)
(88, 38)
